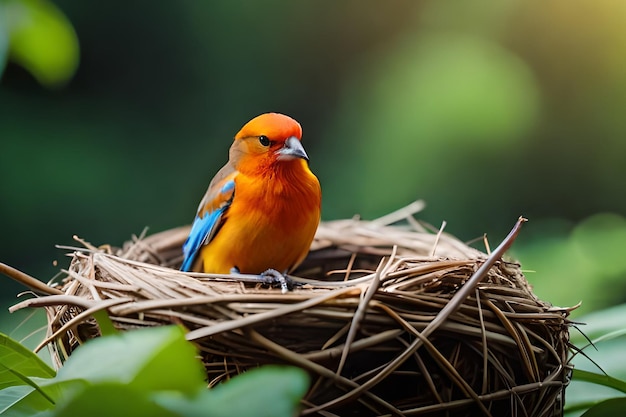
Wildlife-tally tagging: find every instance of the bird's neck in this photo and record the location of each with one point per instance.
(292, 170)
(286, 179)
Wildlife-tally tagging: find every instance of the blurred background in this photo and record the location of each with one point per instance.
(115, 115)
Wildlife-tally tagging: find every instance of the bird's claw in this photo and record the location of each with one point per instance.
(273, 277)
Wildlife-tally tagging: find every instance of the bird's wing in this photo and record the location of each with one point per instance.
(209, 217)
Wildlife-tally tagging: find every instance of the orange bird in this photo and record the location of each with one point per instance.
(261, 211)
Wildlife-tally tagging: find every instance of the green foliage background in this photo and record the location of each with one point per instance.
(486, 110)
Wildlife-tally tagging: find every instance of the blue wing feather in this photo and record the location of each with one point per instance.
(204, 227)
(200, 229)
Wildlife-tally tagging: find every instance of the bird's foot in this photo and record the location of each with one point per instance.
(273, 277)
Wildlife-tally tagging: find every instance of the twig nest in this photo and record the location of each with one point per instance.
(367, 292)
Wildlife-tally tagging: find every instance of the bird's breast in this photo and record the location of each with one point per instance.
(277, 202)
(270, 224)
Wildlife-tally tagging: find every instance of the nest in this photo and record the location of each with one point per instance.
(387, 319)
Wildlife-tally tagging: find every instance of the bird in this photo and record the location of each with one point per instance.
(262, 209)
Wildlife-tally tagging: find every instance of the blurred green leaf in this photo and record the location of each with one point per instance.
(591, 385)
(111, 399)
(104, 323)
(270, 391)
(599, 379)
(41, 40)
(151, 359)
(26, 400)
(610, 408)
(138, 363)
(599, 325)
(147, 372)
(17, 364)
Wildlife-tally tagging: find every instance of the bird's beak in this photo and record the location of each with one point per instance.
(292, 149)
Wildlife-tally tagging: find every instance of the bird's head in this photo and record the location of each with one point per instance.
(271, 139)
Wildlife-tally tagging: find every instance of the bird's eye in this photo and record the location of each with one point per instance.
(264, 140)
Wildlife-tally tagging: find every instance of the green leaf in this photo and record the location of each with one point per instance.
(17, 364)
(600, 379)
(599, 324)
(275, 390)
(148, 372)
(27, 400)
(104, 323)
(590, 388)
(41, 40)
(590, 384)
(270, 391)
(613, 407)
(157, 358)
(22, 401)
(21, 372)
(110, 399)
(136, 363)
